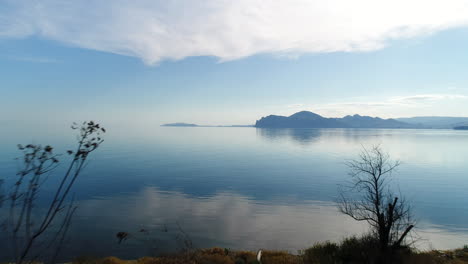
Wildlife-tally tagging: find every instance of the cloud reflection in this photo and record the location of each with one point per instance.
(224, 219)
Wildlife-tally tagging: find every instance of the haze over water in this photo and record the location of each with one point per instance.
(247, 188)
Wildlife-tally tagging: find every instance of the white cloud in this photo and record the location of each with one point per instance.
(154, 30)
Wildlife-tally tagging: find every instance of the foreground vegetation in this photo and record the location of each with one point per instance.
(351, 250)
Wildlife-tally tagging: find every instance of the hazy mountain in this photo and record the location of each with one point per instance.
(435, 121)
(302, 119)
(358, 121)
(307, 119)
(180, 125)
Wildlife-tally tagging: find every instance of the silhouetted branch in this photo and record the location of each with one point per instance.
(373, 200)
(35, 163)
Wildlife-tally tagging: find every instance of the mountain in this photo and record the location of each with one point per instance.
(357, 121)
(435, 121)
(302, 119)
(180, 125)
(306, 119)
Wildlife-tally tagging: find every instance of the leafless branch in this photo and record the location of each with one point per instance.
(368, 197)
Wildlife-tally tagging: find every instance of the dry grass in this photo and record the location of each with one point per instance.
(458, 256)
(319, 254)
(205, 256)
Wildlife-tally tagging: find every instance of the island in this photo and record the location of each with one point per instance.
(179, 125)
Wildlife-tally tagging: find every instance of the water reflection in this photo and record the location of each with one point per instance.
(225, 219)
(303, 136)
(252, 188)
(356, 135)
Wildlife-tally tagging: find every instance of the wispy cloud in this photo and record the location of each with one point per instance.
(154, 30)
(424, 98)
(295, 106)
(33, 59)
(390, 107)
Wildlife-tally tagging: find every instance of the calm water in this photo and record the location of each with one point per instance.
(248, 188)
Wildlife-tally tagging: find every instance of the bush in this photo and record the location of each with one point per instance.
(279, 257)
(215, 259)
(245, 257)
(323, 253)
(214, 256)
(359, 250)
(363, 249)
(113, 260)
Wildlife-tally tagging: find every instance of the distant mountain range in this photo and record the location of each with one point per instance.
(436, 121)
(306, 119)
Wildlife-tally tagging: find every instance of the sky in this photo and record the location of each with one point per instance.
(230, 62)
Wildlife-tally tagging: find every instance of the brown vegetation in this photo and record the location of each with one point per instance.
(348, 251)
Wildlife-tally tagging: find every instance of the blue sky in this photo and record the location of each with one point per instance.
(230, 63)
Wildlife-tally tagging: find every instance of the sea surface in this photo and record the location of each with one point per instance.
(244, 188)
